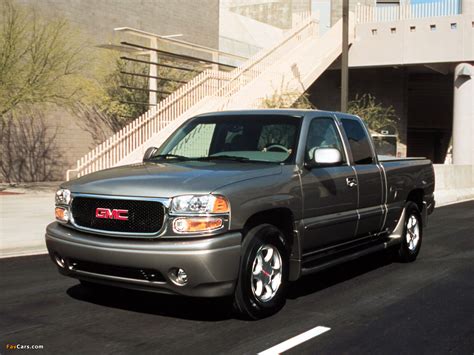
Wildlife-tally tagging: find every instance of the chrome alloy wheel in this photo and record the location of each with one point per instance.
(266, 273)
(413, 233)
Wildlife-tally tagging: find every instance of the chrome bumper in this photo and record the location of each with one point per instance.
(211, 264)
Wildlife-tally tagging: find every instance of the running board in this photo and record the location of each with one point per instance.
(343, 259)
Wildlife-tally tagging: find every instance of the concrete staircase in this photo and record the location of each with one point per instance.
(294, 63)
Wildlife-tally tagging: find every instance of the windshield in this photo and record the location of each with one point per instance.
(245, 138)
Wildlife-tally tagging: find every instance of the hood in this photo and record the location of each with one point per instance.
(169, 179)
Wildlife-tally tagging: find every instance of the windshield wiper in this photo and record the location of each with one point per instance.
(225, 157)
(166, 156)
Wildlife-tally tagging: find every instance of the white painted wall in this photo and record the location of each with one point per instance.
(453, 183)
(414, 41)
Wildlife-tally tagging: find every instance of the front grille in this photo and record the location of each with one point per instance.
(143, 216)
(118, 271)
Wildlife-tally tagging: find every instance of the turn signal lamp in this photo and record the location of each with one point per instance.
(197, 224)
(221, 205)
(61, 214)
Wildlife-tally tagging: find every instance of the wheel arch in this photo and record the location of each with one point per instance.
(416, 196)
(280, 217)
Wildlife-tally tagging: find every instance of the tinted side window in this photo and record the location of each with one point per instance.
(322, 133)
(358, 141)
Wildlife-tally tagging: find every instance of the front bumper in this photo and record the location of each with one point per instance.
(211, 263)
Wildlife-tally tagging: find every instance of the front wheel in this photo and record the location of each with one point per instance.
(412, 234)
(263, 275)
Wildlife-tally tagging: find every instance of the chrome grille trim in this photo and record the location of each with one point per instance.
(164, 201)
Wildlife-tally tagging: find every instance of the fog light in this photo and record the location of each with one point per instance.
(178, 276)
(61, 214)
(59, 261)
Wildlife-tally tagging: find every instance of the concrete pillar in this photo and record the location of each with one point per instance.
(467, 7)
(152, 82)
(463, 115)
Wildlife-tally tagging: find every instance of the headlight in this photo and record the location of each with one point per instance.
(63, 197)
(199, 204)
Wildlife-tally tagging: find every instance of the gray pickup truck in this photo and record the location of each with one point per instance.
(240, 204)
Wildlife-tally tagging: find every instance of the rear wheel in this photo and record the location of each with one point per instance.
(412, 234)
(263, 275)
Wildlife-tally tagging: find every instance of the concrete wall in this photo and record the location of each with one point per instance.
(421, 97)
(336, 8)
(197, 20)
(388, 85)
(245, 36)
(417, 41)
(430, 115)
(453, 183)
(278, 13)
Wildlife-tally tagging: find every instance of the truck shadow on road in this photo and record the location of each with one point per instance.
(219, 309)
(338, 274)
(201, 309)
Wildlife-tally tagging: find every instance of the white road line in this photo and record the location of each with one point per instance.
(297, 340)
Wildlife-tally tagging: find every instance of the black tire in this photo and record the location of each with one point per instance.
(407, 251)
(245, 302)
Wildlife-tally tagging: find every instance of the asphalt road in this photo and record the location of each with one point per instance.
(372, 306)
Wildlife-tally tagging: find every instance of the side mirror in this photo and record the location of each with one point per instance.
(149, 153)
(326, 157)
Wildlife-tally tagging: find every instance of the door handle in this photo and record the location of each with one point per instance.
(351, 182)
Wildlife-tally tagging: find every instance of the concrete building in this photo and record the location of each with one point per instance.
(197, 20)
(414, 55)
(420, 65)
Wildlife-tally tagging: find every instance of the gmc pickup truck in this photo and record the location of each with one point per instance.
(239, 204)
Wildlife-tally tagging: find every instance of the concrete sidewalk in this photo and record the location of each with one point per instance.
(23, 219)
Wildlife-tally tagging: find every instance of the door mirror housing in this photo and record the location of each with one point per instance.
(326, 157)
(149, 153)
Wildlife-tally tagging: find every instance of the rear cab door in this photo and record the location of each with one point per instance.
(369, 175)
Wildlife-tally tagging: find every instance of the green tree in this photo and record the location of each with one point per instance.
(377, 116)
(288, 100)
(40, 60)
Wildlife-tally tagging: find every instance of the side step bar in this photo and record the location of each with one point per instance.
(358, 251)
(349, 257)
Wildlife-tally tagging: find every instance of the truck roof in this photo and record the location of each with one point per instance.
(283, 112)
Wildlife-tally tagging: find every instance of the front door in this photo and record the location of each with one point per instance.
(330, 200)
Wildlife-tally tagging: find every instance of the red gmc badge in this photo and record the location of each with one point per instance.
(107, 213)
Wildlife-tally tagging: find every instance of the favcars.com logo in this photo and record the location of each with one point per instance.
(24, 347)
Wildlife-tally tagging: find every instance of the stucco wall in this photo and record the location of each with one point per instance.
(197, 20)
(415, 41)
(336, 8)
